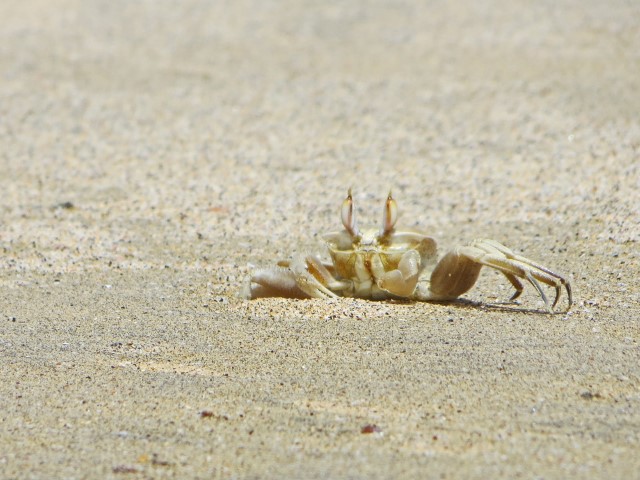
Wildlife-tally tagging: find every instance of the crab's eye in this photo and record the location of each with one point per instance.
(389, 215)
(348, 216)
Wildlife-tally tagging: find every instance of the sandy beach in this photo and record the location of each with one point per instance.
(153, 153)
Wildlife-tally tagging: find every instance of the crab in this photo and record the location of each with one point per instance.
(390, 263)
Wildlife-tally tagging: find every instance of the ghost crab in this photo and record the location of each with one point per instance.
(390, 263)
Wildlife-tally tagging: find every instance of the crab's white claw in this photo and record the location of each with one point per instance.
(302, 277)
(403, 280)
(277, 281)
(348, 216)
(389, 215)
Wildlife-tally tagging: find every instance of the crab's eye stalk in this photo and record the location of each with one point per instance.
(389, 215)
(348, 216)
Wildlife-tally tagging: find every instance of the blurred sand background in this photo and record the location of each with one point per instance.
(151, 150)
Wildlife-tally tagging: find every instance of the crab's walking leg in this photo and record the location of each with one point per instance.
(303, 277)
(458, 271)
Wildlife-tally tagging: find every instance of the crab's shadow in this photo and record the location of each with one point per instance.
(465, 304)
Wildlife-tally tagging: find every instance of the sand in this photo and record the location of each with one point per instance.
(153, 151)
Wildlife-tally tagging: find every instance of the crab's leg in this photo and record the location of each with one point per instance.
(458, 271)
(302, 277)
(315, 279)
(537, 271)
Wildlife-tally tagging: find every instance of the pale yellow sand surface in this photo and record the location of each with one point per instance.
(152, 151)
